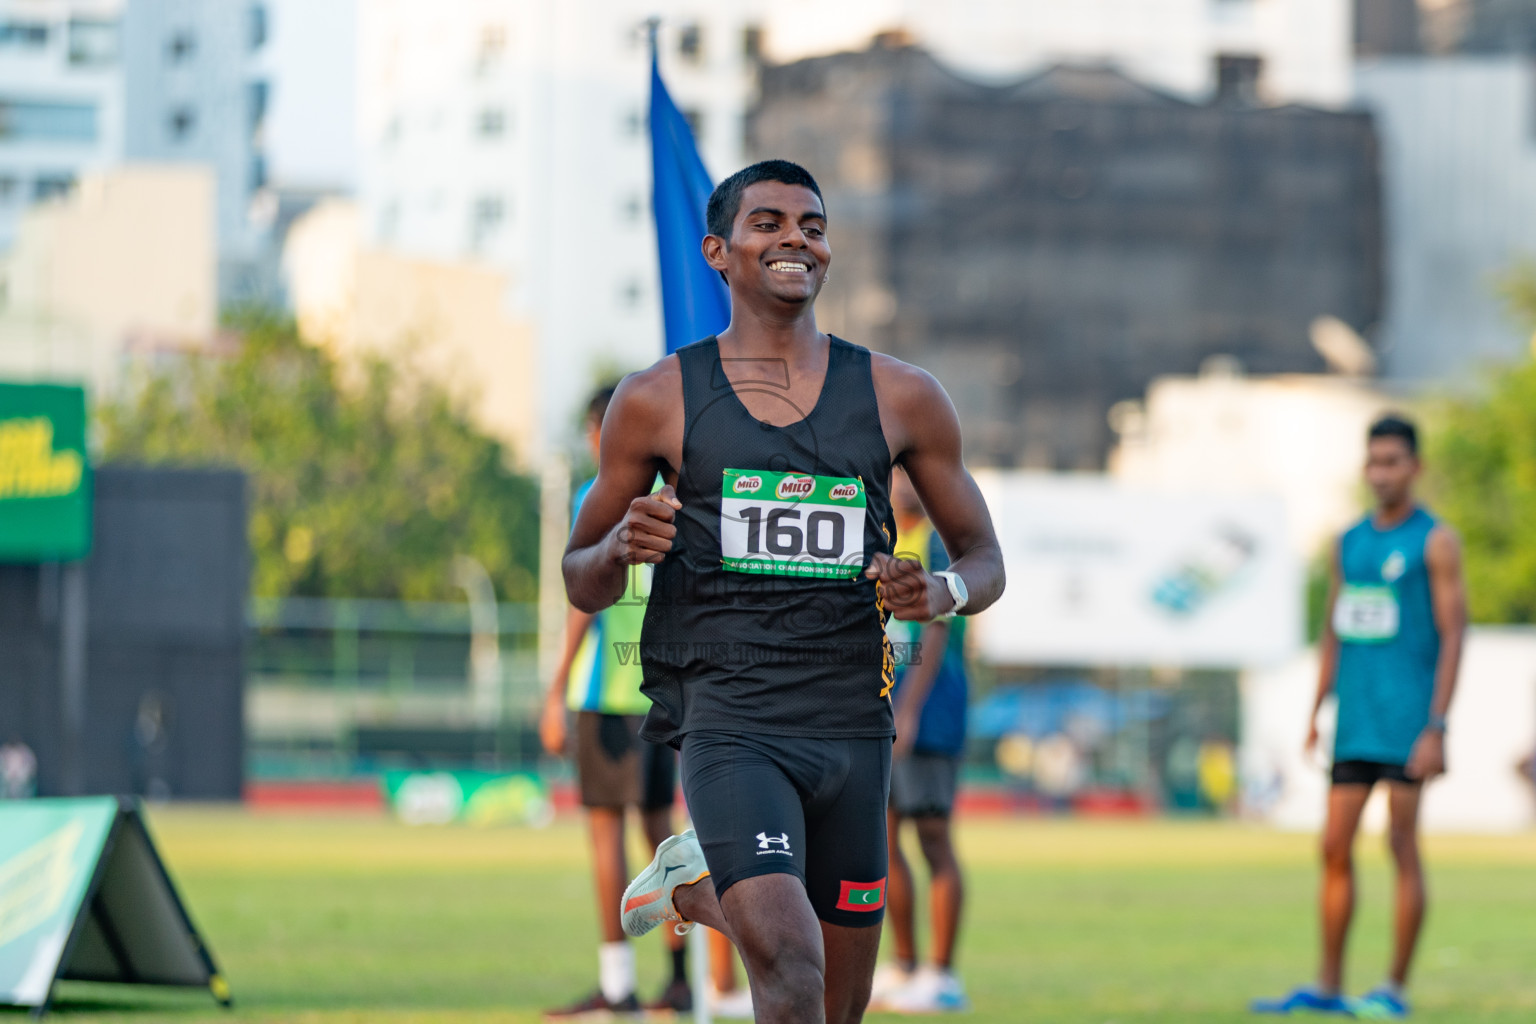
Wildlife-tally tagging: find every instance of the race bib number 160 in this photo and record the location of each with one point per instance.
(792, 524)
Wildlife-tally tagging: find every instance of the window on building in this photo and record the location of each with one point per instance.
(181, 123)
(92, 43)
(50, 122)
(695, 119)
(752, 42)
(260, 29)
(49, 185)
(690, 43)
(258, 172)
(630, 294)
(634, 123)
(492, 123)
(10, 187)
(485, 218)
(181, 46)
(1237, 78)
(392, 129)
(631, 207)
(259, 98)
(23, 35)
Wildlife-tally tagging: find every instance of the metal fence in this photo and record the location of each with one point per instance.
(337, 687)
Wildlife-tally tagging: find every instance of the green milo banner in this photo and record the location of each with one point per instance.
(85, 897)
(470, 797)
(45, 481)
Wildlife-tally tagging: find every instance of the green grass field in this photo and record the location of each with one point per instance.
(325, 920)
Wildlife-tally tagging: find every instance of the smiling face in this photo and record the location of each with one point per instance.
(778, 246)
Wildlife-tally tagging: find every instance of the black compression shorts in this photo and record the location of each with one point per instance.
(1368, 773)
(813, 808)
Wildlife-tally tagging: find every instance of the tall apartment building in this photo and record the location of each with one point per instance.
(61, 99)
(515, 134)
(196, 90)
(88, 84)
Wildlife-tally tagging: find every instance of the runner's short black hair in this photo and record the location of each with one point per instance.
(597, 407)
(725, 200)
(1393, 425)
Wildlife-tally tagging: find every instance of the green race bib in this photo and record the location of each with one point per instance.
(792, 524)
(1366, 614)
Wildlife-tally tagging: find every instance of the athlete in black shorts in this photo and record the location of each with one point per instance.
(764, 647)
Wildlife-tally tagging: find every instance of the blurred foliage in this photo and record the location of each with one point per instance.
(1518, 289)
(1482, 475)
(1319, 578)
(366, 478)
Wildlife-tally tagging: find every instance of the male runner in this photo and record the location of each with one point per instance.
(930, 697)
(615, 768)
(765, 654)
(1390, 649)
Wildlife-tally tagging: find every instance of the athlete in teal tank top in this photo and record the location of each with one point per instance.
(1389, 645)
(1390, 650)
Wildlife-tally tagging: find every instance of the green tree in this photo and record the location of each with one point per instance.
(366, 479)
(1482, 462)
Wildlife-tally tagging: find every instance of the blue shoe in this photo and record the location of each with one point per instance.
(1303, 1000)
(1380, 1004)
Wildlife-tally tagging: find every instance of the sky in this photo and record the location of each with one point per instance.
(312, 133)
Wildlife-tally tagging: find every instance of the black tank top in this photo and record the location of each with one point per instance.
(760, 618)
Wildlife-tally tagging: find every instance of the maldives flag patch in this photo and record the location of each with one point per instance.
(862, 896)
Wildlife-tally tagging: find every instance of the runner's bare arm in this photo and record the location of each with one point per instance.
(620, 522)
(923, 432)
(1327, 647)
(1448, 598)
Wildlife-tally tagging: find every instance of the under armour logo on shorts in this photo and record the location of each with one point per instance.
(765, 841)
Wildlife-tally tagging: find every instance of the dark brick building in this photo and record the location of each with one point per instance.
(1046, 248)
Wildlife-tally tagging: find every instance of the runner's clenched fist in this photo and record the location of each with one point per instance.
(646, 531)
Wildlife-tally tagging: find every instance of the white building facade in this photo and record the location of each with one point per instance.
(515, 134)
(1459, 161)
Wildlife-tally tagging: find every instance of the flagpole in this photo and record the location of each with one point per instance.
(698, 938)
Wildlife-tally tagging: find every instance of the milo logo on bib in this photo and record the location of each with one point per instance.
(792, 524)
(796, 487)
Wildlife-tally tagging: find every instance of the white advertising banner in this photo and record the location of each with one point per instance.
(1492, 729)
(1104, 574)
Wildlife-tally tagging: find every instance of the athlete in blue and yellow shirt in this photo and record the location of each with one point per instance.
(597, 684)
(1390, 650)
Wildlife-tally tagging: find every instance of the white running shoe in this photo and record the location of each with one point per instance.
(648, 900)
(888, 980)
(733, 1005)
(931, 990)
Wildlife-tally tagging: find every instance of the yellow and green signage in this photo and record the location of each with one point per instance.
(45, 481)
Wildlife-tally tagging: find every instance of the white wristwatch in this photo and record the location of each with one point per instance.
(957, 590)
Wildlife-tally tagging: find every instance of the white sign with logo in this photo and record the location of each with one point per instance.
(1103, 574)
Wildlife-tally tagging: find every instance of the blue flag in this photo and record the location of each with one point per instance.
(694, 299)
